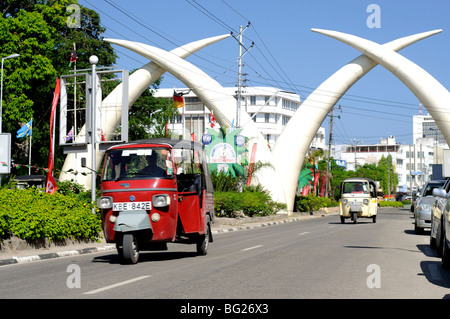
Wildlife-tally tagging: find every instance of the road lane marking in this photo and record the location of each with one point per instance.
(250, 248)
(304, 233)
(115, 285)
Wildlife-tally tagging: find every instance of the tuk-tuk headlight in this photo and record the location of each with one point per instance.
(161, 200)
(366, 201)
(105, 202)
(344, 201)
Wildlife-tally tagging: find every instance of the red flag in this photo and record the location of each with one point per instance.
(213, 120)
(305, 191)
(323, 185)
(316, 181)
(73, 56)
(51, 184)
(178, 99)
(252, 164)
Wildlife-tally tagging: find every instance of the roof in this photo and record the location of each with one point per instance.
(174, 143)
(356, 179)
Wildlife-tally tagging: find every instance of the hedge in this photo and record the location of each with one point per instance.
(251, 203)
(388, 203)
(31, 214)
(311, 203)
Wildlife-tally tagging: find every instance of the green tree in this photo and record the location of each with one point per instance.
(388, 178)
(38, 31)
(149, 115)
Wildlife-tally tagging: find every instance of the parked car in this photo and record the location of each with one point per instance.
(441, 225)
(413, 200)
(424, 203)
(436, 216)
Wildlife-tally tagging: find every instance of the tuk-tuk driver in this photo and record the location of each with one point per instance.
(152, 168)
(358, 188)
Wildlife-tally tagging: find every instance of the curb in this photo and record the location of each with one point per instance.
(27, 259)
(259, 225)
(21, 260)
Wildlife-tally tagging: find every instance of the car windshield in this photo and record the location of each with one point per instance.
(428, 191)
(139, 163)
(356, 188)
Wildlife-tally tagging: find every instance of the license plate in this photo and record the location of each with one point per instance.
(132, 206)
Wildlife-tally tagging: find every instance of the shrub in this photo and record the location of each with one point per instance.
(311, 203)
(388, 203)
(224, 182)
(31, 214)
(252, 201)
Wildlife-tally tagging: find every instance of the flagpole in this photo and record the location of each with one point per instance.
(29, 155)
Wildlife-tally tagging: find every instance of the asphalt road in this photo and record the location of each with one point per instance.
(316, 258)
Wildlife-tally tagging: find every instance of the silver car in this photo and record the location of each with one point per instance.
(424, 204)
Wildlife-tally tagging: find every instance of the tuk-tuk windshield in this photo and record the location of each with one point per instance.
(138, 163)
(355, 188)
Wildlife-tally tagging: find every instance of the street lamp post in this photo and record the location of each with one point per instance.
(15, 55)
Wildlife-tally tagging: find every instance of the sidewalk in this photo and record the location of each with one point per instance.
(220, 225)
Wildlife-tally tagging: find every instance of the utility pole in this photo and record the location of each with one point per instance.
(330, 140)
(239, 86)
(327, 188)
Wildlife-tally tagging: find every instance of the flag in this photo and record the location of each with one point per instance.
(51, 186)
(178, 99)
(69, 135)
(73, 56)
(252, 164)
(25, 130)
(213, 120)
(232, 126)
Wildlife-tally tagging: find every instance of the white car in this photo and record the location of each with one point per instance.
(424, 203)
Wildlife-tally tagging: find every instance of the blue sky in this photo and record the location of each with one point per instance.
(287, 55)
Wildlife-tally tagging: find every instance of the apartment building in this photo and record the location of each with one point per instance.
(270, 108)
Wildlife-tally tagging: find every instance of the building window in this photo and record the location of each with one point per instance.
(285, 119)
(267, 117)
(290, 105)
(252, 100)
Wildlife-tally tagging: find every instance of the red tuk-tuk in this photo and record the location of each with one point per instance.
(154, 192)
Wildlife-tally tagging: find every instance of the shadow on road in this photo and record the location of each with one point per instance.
(147, 256)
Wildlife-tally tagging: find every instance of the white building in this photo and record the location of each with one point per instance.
(360, 154)
(270, 108)
(425, 127)
(413, 163)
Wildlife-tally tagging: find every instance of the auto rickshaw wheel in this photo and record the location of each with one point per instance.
(374, 218)
(203, 243)
(354, 217)
(130, 248)
(342, 220)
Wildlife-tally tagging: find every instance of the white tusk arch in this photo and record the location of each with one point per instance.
(433, 95)
(139, 81)
(293, 143)
(216, 99)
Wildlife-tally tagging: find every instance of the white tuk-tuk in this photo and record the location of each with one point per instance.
(358, 199)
